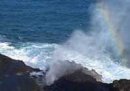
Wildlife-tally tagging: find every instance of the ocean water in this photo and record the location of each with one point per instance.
(43, 33)
(42, 20)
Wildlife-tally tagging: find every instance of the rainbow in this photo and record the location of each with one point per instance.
(113, 29)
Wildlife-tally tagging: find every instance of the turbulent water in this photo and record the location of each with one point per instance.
(44, 34)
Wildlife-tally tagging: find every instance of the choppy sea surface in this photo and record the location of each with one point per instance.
(43, 32)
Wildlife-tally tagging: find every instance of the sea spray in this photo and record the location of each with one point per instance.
(90, 51)
(113, 16)
(61, 68)
(102, 48)
(93, 50)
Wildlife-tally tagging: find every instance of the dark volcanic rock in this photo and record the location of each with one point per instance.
(86, 80)
(80, 76)
(122, 85)
(18, 83)
(9, 66)
(14, 76)
(78, 81)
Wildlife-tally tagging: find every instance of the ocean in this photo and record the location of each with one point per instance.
(46, 32)
(42, 20)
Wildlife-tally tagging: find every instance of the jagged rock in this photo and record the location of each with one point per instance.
(78, 81)
(122, 85)
(14, 76)
(82, 75)
(62, 68)
(83, 79)
(9, 66)
(18, 83)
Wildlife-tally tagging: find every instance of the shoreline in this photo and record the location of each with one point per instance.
(15, 76)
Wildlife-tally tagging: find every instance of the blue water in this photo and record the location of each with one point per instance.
(44, 21)
(43, 33)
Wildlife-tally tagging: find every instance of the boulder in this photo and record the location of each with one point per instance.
(15, 76)
(78, 81)
(122, 85)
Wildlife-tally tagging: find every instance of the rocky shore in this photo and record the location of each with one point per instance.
(15, 76)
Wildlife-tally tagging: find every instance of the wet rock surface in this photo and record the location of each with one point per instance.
(122, 85)
(86, 80)
(15, 76)
(78, 81)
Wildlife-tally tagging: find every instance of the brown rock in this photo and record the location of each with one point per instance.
(122, 85)
(78, 81)
(11, 66)
(14, 76)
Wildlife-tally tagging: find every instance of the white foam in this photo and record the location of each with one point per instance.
(89, 55)
(35, 55)
(88, 50)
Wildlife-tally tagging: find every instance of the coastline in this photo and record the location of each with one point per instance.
(15, 76)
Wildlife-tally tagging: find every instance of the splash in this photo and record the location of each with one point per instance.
(116, 20)
(34, 55)
(91, 52)
(99, 49)
(104, 49)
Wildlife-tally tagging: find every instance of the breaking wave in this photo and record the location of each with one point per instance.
(94, 50)
(86, 50)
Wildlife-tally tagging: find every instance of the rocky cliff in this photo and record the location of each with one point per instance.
(15, 76)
